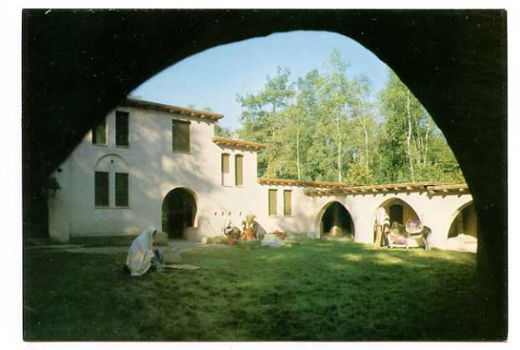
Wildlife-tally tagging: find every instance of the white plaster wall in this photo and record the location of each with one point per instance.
(58, 206)
(436, 211)
(154, 170)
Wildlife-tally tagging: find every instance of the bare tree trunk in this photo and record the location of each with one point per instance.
(365, 131)
(409, 137)
(271, 162)
(419, 145)
(426, 140)
(298, 148)
(338, 141)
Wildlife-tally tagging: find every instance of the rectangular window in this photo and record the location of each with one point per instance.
(180, 136)
(272, 202)
(239, 170)
(99, 134)
(121, 128)
(224, 169)
(225, 163)
(121, 190)
(287, 202)
(101, 189)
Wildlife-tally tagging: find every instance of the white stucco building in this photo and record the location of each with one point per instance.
(161, 165)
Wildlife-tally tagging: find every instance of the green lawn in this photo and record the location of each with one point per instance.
(317, 290)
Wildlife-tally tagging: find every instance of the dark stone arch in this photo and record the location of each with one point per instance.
(78, 65)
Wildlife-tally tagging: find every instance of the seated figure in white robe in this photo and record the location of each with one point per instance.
(142, 253)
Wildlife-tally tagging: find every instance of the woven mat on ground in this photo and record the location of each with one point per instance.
(182, 267)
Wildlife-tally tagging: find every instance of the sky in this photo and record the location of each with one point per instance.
(213, 78)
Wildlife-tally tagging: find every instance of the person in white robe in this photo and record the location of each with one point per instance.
(141, 253)
(382, 224)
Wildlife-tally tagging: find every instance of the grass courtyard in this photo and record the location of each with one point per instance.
(315, 290)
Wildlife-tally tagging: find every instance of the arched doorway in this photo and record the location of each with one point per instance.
(399, 212)
(178, 212)
(464, 222)
(336, 222)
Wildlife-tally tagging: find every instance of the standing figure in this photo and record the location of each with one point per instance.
(382, 226)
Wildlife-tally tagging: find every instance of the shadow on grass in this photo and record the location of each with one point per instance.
(313, 291)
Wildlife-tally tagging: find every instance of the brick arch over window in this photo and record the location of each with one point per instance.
(455, 62)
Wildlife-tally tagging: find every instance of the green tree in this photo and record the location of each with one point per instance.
(327, 127)
(261, 118)
(411, 146)
(222, 131)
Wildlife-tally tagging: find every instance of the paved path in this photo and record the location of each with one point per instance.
(77, 248)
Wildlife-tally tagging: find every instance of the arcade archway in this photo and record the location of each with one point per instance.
(335, 222)
(399, 212)
(464, 222)
(178, 212)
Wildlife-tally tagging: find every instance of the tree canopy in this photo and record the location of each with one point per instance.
(327, 126)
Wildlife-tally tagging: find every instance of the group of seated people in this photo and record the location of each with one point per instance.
(249, 229)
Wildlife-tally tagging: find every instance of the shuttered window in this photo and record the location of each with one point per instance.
(99, 134)
(239, 170)
(121, 128)
(101, 189)
(180, 136)
(272, 202)
(287, 202)
(224, 169)
(225, 163)
(121, 189)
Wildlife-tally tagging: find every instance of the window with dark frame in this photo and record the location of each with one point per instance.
(272, 202)
(101, 189)
(121, 128)
(287, 202)
(239, 170)
(99, 134)
(225, 163)
(224, 167)
(121, 182)
(180, 135)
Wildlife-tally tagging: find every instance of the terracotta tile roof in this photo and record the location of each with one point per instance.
(172, 109)
(440, 189)
(287, 182)
(323, 188)
(237, 143)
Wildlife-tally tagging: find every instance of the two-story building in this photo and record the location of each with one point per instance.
(155, 164)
